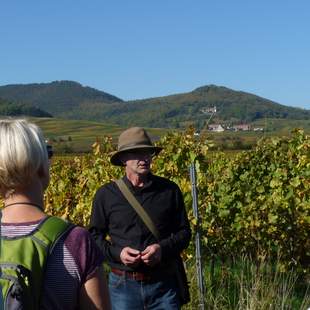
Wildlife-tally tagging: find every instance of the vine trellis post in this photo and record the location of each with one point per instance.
(199, 267)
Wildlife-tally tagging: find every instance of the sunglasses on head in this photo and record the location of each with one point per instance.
(50, 152)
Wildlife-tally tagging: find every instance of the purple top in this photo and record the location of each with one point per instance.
(74, 261)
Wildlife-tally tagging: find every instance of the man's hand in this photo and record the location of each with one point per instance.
(151, 255)
(130, 257)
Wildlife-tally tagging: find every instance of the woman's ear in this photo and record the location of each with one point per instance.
(44, 176)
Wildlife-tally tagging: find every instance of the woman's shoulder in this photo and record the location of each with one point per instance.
(79, 240)
(83, 249)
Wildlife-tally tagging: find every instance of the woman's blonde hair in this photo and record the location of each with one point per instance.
(23, 154)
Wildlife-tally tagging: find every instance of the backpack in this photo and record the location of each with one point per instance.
(22, 264)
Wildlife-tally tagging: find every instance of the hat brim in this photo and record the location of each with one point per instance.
(115, 157)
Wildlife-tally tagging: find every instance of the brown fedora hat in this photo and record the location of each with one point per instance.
(133, 138)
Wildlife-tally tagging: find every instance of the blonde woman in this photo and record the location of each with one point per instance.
(73, 277)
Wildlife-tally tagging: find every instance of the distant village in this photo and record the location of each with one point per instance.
(241, 127)
(220, 128)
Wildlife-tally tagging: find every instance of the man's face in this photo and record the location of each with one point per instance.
(138, 161)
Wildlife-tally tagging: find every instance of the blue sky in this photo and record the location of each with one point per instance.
(139, 49)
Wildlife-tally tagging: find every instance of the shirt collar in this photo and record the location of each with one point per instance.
(139, 189)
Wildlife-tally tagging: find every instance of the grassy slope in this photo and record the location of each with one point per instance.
(82, 133)
(85, 133)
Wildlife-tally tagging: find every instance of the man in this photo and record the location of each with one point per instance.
(141, 274)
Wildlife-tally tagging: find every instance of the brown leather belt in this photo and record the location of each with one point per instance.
(137, 276)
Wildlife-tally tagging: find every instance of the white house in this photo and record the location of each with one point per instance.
(216, 127)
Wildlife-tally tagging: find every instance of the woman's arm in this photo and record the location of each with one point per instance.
(94, 293)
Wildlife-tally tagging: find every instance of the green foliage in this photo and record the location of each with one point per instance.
(260, 201)
(252, 203)
(18, 109)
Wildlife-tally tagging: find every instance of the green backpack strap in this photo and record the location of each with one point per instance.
(23, 262)
(50, 231)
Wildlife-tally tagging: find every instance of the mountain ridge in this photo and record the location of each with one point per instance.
(71, 100)
(59, 93)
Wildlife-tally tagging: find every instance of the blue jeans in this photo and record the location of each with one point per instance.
(129, 294)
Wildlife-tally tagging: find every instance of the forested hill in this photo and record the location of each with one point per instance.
(71, 100)
(181, 110)
(55, 97)
(231, 106)
(19, 109)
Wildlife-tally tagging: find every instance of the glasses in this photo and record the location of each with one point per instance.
(149, 153)
(50, 152)
(143, 153)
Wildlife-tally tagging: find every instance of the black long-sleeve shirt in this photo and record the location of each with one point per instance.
(112, 215)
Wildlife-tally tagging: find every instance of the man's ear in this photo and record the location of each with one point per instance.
(123, 158)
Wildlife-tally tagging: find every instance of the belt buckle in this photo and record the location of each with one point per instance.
(135, 276)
